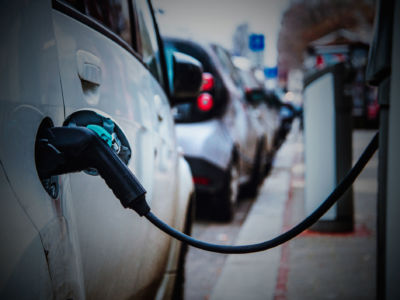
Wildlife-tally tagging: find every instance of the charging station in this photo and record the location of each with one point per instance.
(328, 145)
(384, 72)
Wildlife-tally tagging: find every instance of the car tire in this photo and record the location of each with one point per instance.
(179, 286)
(268, 165)
(251, 188)
(226, 200)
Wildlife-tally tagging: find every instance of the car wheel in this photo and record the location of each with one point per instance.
(251, 188)
(179, 286)
(268, 165)
(228, 196)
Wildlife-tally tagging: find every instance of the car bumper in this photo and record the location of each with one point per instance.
(207, 140)
(209, 179)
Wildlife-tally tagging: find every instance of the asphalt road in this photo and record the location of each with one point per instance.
(202, 267)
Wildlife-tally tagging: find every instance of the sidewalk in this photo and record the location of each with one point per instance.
(311, 266)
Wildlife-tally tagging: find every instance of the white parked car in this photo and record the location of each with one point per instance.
(219, 138)
(81, 63)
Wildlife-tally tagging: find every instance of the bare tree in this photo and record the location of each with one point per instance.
(307, 20)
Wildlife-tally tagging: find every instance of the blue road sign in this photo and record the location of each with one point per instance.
(271, 73)
(256, 42)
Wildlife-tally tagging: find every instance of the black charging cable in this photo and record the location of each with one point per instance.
(72, 149)
(288, 235)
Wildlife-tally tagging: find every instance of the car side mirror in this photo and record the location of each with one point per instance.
(186, 78)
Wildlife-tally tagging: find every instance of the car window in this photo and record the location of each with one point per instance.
(228, 66)
(77, 4)
(149, 47)
(113, 14)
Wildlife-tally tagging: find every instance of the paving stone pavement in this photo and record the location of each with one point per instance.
(313, 265)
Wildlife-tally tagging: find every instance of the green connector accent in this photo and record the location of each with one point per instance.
(102, 133)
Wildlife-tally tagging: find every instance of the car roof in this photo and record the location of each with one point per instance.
(202, 51)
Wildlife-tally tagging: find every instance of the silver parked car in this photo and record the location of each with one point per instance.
(97, 64)
(264, 105)
(219, 138)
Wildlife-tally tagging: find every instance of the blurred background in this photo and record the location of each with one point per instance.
(290, 47)
(292, 34)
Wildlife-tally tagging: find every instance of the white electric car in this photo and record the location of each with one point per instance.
(80, 63)
(220, 140)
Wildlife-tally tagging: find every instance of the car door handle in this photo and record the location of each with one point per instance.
(89, 69)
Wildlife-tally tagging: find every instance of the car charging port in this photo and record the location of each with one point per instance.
(62, 150)
(50, 183)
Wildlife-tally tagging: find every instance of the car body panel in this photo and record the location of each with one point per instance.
(265, 115)
(30, 91)
(208, 140)
(23, 247)
(166, 288)
(82, 243)
(132, 98)
(239, 121)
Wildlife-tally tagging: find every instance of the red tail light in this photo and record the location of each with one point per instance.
(201, 180)
(208, 82)
(319, 61)
(205, 101)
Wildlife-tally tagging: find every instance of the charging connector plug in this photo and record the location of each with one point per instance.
(64, 150)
